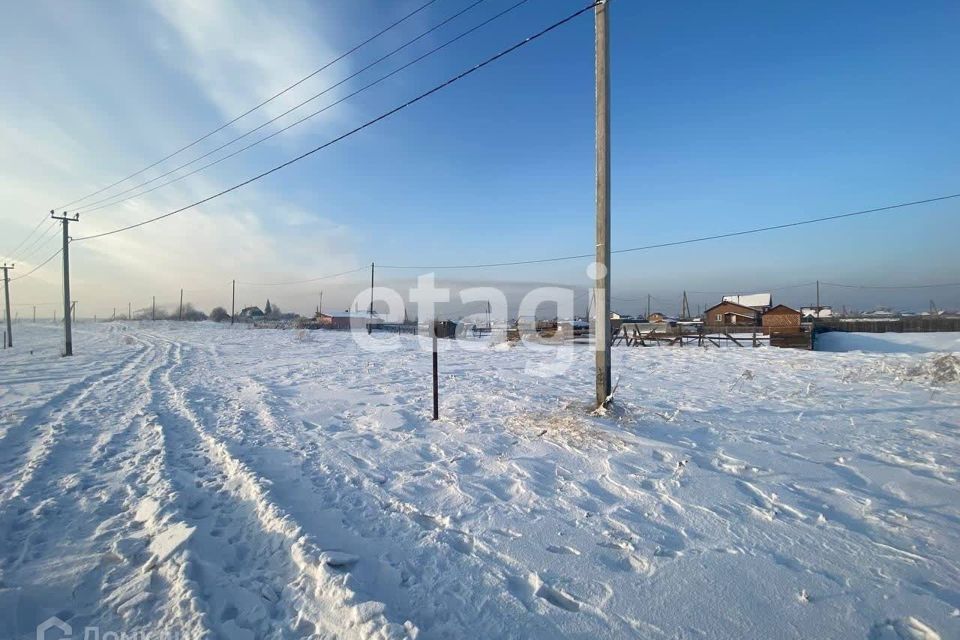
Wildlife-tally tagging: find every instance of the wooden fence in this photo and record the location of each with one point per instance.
(910, 324)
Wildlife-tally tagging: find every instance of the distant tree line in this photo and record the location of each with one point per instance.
(192, 314)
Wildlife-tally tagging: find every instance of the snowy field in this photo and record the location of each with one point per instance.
(242, 483)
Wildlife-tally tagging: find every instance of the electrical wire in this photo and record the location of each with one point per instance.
(682, 242)
(117, 199)
(307, 117)
(13, 253)
(355, 130)
(739, 292)
(264, 103)
(42, 241)
(39, 266)
(279, 284)
(902, 286)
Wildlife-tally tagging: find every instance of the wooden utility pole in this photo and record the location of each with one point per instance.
(818, 299)
(602, 73)
(73, 310)
(180, 314)
(153, 312)
(320, 306)
(6, 296)
(34, 314)
(648, 307)
(129, 312)
(370, 321)
(233, 301)
(65, 220)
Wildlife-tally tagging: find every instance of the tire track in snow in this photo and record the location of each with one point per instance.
(269, 579)
(82, 493)
(49, 422)
(416, 555)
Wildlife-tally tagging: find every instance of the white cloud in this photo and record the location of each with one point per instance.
(241, 54)
(51, 151)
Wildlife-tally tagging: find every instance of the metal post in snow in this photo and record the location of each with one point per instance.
(370, 321)
(436, 382)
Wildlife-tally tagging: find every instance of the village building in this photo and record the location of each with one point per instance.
(346, 320)
(816, 312)
(250, 313)
(781, 318)
(757, 301)
(731, 313)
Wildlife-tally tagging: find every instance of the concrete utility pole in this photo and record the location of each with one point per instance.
(818, 299)
(233, 301)
(73, 310)
(153, 313)
(181, 305)
(648, 307)
(320, 306)
(34, 314)
(6, 296)
(129, 313)
(602, 64)
(65, 220)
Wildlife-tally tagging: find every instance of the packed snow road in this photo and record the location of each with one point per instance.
(210, 481)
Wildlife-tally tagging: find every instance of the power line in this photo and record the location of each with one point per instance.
(278, 284)
(39, 266)
(41, 241)
(117, 199)
(902, 286)
(28, 236)
(265, 102)
(309, 116)
(369, 123)
(682, 242)
(740, 291)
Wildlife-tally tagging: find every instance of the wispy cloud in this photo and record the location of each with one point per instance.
(242, 54)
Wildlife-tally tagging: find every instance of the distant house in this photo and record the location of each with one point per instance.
(658, 317)
(781, 318)
(250, 313)
(731, 313)
(757, 301)
(815, 312)
(346, 320)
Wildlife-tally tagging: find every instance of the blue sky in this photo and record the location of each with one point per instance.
(724, 115)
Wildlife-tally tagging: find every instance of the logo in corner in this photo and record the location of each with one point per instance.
(54, 623)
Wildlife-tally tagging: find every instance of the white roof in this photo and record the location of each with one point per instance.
(751, 299)
(362, 315)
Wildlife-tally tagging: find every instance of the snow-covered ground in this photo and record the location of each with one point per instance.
(261, 484)
(889, 342)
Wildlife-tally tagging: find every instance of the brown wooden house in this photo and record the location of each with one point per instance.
(781, 318)
(727, 313)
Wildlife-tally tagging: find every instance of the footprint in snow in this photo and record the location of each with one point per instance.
(908, 628)
(563, 550)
